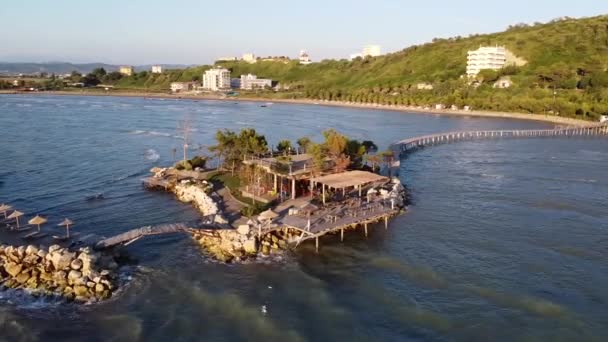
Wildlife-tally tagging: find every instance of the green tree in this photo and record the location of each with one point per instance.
(284, 146)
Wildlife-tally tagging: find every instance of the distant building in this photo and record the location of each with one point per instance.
(371, 50)
(304, 57)
(216, 79)
(157, 69)
(493, 58)
(180, 87)
(249, 58)
(227, 59)
(503, 82)
(250, 82)
(604, 118)
(424, 86)
(439, 106)
(126, 70)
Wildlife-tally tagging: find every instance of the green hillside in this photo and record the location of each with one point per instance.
(565, 73)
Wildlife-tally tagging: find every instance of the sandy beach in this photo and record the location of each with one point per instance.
(406, 109)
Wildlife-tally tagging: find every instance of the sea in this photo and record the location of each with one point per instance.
(504, 239)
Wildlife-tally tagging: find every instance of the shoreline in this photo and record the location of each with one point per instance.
(404, 109)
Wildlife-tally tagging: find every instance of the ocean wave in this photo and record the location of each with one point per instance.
(151, 155)
(489, 175)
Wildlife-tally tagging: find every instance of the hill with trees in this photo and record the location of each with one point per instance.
(565, 73)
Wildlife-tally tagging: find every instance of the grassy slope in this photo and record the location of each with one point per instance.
(558, 48)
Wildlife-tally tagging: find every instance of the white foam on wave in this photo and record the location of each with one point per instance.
(152, 155)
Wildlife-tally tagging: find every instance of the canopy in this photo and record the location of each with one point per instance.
(349, 178)
(37, 220)
(4, 208)
(66, 222)
(268, 215)
(308, 207)
(15, 214)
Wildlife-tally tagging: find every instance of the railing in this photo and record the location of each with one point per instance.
(441, 138)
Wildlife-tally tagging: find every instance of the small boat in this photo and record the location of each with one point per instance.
(263, 105)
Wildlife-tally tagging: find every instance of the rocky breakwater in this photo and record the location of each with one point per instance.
(81, 275)
(228, 245)
(234, 245)
(201, 195)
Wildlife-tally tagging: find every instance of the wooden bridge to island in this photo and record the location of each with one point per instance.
(408, 145)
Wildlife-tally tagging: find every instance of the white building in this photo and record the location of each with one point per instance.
(250, 82)
(604, 118)
(180, 87)
(485, 57)
(304, 57)
(371, 50)
(216, 79)
(227, 59)
(249, 58)
(503, 83)
(157, 69)
(126, 70)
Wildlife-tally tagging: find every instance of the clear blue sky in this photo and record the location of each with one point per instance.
(196, 32)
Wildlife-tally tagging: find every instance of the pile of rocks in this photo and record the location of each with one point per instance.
(199, 194)
(277, 240)
(234, 245)
(228, 245)
(82, 275)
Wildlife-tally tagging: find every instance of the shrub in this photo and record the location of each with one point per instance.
(198, 162)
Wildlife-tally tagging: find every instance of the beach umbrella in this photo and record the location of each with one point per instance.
(268, 215)
(15, 215)
(37, 220)
(66, 223)
(4, 209)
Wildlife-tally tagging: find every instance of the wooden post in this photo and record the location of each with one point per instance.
(293, 188)
(342, 234)
(365, 227)
(359, 190)
(317, 244)
(275, 182)
(323, 185)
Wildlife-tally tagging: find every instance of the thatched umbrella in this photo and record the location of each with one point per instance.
(66, 223)
(37, 220)
(16, 215)
(4, 208)
(268, 215)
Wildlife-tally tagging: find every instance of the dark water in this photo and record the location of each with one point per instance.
(505, 239)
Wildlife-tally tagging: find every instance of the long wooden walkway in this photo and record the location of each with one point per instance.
(410, 144)
(133, 235)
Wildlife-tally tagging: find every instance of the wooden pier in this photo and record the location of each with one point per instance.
(407, 145)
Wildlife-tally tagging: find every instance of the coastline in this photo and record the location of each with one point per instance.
(404, 109)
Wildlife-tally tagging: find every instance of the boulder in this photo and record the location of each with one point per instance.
(243, 229)
(76, 264)
(74, 276)
(99, 288)
(250, 246)
(22, 277)
(81, 291)
(62, 260)
(54, 248)
(13, 269)
(29, 250)
(265, 249)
